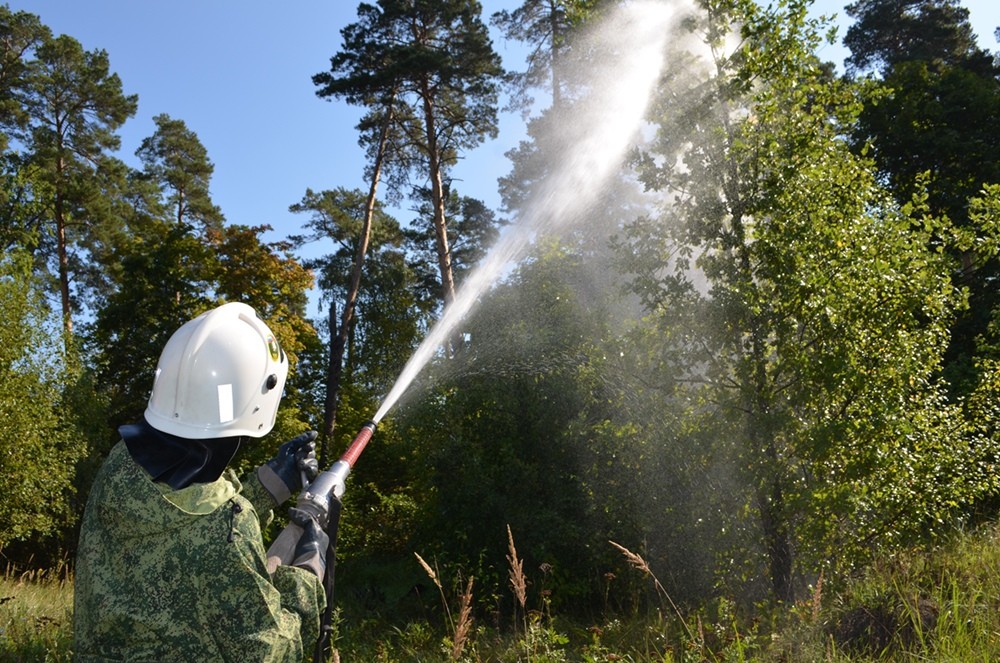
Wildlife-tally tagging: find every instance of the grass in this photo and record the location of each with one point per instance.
(940, 605)
(36, 616)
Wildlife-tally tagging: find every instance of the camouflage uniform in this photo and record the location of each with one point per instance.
(179, 575)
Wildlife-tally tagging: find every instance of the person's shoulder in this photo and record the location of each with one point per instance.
(120, 460)
(113, 462)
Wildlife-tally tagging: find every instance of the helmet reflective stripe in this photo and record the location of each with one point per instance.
(225, 402)
(219, 375)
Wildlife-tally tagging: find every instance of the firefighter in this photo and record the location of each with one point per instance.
(171, 563)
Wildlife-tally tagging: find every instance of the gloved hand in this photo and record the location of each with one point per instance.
(310, 552)
(282, 475)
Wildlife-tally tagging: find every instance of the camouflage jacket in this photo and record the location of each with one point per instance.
(165, 575)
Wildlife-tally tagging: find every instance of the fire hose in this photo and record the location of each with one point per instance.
(321, 500)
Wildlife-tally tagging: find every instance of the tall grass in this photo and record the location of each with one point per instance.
(938, 605)
(36, 616)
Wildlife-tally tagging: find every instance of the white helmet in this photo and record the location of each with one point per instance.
(219, 375)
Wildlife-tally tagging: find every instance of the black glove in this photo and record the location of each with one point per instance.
(310, 551)
(282, 475)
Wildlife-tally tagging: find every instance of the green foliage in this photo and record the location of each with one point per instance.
(802, 317)
(266, 276)
(161, 283)
(932, 126)
(21, 33)
(177, 162)
(438, 53)
(937, 119)
(177, 259)
(932, 604)
(472, 228)
(387, 310)
(22, 212)
(496, 441)
(546, 28)
(888, 33)
(73, 105)
(39, 443)
(428, 72)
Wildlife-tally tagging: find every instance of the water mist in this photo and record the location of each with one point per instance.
(625, 54)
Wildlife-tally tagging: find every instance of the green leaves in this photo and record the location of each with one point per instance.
(70, 105)
(933, 134)
(177, 162)
(39, 441)
(813, 320)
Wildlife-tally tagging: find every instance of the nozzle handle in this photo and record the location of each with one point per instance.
(358, 445)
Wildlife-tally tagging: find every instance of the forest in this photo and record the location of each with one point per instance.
(757, 356)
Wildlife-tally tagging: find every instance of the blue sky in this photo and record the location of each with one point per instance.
(238, 73)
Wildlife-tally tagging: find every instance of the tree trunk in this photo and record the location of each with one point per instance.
(773, 520)
(437, 199)
(63, 255)
(556, 34)
(334, 371)
(768, 467)
(339, 336)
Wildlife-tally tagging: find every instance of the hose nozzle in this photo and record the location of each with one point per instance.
(315, 498)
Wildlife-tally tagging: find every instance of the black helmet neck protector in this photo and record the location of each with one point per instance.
(177, 461)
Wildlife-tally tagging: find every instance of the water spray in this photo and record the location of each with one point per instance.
(590, 149)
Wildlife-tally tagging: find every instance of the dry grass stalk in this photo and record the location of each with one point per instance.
(640, 564)
(517, 581)
(635, 560)
(464, 624)
(430, 572)
(437, 583)
(817, 597)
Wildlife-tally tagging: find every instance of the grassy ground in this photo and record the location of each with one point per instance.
(942, 605)
(36, 616)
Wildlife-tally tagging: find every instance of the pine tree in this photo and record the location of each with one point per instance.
(74, 105)
(436, 59)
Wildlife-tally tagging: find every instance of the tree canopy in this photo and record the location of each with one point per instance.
(931, 128)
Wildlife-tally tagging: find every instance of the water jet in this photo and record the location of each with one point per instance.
(589, 145)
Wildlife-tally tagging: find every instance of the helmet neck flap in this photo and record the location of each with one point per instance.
(177, 461)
